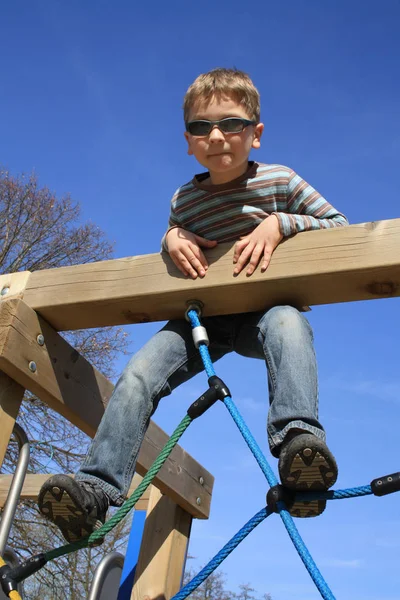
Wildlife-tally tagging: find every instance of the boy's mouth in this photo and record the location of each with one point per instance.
(220, 154)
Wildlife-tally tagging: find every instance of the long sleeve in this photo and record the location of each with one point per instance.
(306, 209)
(173, 221)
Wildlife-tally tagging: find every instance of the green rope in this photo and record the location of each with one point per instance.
(97, 536)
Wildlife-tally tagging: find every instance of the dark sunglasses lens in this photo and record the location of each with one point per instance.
(233, 125)
(199, 127)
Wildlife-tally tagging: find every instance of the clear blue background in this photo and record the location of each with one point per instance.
(90, 98)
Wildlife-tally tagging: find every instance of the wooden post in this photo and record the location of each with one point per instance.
(163, 550)
(11, 394)
(12, 285)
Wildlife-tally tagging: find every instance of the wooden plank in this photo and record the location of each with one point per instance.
(33, 483)
(359, 262)
(13, 284)
(71, 386)
(163, 550)
(11, 394)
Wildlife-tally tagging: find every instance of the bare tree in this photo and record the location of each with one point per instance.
(246, 592)
(213, 588)
(40, 231)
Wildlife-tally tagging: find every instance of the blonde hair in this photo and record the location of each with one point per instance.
(223, 82)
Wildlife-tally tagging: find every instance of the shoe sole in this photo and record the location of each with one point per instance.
(310, 467)
(61, 502)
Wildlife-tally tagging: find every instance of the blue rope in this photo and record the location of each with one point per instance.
(223, 554)
(283, 513)
(291, 528)
(363, 490)
(251, 442)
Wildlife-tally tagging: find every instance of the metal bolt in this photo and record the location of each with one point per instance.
(198, 501)
(201, 480)
(40, 340)
(5, 291)
(32, 366)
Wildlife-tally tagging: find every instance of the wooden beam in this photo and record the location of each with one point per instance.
(11, 394)
(12, 285)
(70, 385)
(33, 483)
(360, 262)
(163, 550)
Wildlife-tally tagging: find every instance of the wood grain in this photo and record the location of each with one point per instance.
(163, 550)
(359, 262)
(70, 385)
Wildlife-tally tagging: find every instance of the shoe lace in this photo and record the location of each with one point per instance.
(100, 497)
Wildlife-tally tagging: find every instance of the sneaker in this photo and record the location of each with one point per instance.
(306, 464)
(77, 507)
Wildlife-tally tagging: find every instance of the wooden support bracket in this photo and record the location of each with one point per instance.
(11, 394)
(62, 378)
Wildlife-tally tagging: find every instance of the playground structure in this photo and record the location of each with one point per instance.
(354, 263)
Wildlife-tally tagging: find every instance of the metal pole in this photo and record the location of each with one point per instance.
(106, 577)
(16, 486)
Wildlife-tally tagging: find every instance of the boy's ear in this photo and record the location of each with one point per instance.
(187, 138)
(258, 131)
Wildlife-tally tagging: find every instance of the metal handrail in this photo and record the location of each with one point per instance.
(14, 492)
(104, 568)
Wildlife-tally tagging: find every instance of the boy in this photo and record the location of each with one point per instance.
(256, 205)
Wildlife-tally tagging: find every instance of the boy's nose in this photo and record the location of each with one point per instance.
(216, 135)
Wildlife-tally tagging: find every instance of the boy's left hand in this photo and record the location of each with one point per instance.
(258, 245)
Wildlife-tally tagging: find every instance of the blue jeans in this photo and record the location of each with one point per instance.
(281, 336)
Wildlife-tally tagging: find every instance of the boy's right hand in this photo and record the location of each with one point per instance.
(184, 249)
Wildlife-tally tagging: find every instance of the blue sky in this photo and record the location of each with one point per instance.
(90, 98)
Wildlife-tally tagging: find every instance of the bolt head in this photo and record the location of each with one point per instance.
(4, 291)
(198, 501)
(40, 340)
(201, 480)
(32, 366)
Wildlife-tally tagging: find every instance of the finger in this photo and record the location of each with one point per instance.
(202, 260)
(179, 266)
(266, 260)
(255, 258)
(193, 258)
(184, 266)
(243, 258)
(239, 249)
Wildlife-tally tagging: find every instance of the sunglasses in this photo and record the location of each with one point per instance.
(228, 125)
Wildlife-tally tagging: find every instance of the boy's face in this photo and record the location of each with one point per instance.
(224, 155)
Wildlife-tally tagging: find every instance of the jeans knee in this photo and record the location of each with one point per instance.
(286, 322)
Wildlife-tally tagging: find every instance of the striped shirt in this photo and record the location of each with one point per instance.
(229, 211)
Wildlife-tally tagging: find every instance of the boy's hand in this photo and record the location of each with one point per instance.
(258, 245)
(184, 249)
